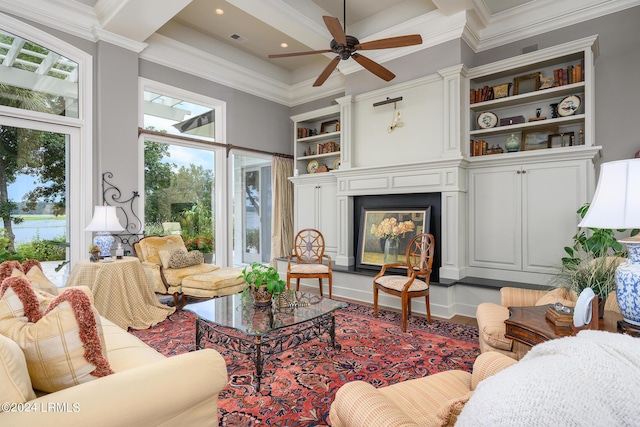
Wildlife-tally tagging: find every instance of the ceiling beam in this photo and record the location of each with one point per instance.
(136, 19)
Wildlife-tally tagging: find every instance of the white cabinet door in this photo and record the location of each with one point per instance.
(328, 215)
(522, 217)
(315, 206)
(305, 201)
(552, 193)
(495, 218)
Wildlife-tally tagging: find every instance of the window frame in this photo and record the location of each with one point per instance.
(81, 159)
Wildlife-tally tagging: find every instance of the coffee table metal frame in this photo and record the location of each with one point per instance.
(259, 346)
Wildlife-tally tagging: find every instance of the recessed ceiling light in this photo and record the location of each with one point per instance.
(219, 11)
(284, 45)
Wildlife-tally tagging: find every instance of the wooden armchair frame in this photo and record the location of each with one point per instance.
(419, 261)
(308, 252)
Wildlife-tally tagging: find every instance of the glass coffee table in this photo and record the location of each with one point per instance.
(235, 323)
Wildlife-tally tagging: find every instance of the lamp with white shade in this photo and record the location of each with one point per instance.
(616, 205)
(104, 221)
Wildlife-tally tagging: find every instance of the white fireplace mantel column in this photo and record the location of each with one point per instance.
(455, 87)
(445, 176)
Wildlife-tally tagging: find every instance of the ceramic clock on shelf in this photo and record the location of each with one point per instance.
(336, 163)
(312, 166)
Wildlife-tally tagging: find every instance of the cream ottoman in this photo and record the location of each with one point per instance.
(221, 282)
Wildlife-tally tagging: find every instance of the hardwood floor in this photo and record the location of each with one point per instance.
(464, 320)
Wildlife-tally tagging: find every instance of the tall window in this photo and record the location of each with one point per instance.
(181, 168)
(252, 210)
(42, 150)
(36, 78)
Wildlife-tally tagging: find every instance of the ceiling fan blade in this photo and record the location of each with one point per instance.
(327, 71)
(334, 27)
(390, 42)
(374, 67)
(308, 52)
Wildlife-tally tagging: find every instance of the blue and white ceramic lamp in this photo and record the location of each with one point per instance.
(616, 205)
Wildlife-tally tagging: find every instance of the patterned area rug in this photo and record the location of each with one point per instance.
(298, 385)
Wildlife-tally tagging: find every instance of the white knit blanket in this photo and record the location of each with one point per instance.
(591, 380)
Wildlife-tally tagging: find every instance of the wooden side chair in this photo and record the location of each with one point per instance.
(306, 260)
(415, 283)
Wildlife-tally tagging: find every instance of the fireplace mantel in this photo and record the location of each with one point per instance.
(444, 176)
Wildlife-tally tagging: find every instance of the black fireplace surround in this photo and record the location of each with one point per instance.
(398, 201)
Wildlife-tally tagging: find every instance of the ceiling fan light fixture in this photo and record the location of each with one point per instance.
(345, 47)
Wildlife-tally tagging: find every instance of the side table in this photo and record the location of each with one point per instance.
(530, 326)
(121, 292)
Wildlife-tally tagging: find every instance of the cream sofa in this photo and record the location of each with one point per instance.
(434, 400)
(146, 388)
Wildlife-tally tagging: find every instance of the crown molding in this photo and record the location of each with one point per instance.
(126, 43)
(434, 27)
(532, 19)
(67, 16)
(179, 56)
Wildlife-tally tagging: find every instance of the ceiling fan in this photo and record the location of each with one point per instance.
(346, 47)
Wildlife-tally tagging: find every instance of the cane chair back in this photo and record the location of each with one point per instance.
(306, 261)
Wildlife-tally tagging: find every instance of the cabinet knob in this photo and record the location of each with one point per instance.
(524, 171)
(519, 172)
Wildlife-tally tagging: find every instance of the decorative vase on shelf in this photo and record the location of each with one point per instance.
(390, 251)
(554, 110)
(512, 144)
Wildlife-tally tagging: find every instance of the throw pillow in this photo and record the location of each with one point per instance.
(14, 376)
(164, 258)
(7, 267)
(181, 259)
(62, 345)
(38, 280)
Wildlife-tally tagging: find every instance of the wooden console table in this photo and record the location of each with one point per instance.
(529, 325)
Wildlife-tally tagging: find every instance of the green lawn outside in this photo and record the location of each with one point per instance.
(30, 217)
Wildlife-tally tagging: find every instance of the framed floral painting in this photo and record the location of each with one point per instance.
(396, 226)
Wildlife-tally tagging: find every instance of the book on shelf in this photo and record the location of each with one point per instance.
(478, 147)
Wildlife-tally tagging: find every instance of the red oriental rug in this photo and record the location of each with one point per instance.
(298, 385)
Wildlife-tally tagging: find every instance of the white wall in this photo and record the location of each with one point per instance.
(420, 137)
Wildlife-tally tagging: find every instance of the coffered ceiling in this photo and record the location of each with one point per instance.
(232, 47)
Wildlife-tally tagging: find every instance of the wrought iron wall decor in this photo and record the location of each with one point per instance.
(112, 196)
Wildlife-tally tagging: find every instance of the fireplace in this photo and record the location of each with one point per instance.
(408, 205)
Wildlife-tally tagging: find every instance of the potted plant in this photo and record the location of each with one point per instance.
(203, 244)
(597, 273)
(263, 282)
(591, 262)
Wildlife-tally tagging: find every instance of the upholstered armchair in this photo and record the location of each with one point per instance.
(200, 280)
(429, 401)
(491, 316)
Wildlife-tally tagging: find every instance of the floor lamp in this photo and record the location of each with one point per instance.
(616, 205)
(104, 221)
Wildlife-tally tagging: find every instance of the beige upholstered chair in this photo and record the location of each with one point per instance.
(306, 260)
(198, 281)
(491, 317)
(419, 259)
(429, 401)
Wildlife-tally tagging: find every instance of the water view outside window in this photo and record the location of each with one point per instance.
(36, 78)
(33, 194)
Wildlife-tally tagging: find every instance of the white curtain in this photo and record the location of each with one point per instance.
(282, 226)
